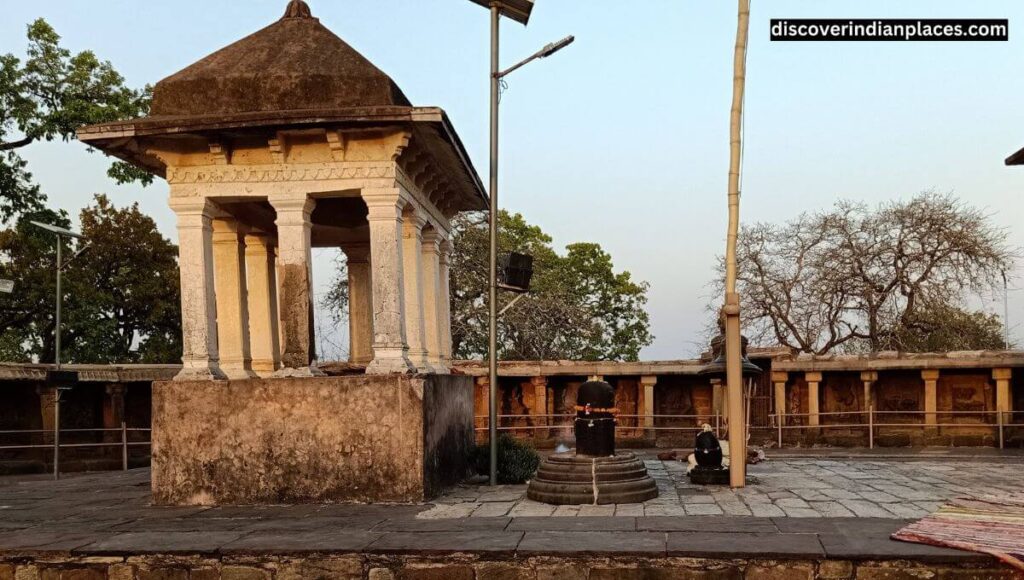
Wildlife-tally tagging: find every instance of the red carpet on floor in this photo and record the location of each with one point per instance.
(989, 525)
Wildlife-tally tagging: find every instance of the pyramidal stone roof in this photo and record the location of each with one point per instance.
(294, 64)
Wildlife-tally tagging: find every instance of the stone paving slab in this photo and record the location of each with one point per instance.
(592, 543)
(798, 487)
(293, 542)
(707, 524)
(606, 524)
(494, 542)
(161, 543)
(767, 545)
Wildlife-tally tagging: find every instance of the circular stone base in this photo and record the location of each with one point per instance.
(568, 479)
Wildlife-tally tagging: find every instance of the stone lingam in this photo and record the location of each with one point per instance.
(706, 463)
(593, 473)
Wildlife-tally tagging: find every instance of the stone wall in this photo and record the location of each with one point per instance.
(465, 567)
(447, 433)
(332, 439)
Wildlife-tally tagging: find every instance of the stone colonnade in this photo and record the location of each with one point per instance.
(247, 300)
(539, 399)
(929, 381)
(670, 404)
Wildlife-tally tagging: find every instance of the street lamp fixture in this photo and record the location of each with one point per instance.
(519, 11)
(545, 52)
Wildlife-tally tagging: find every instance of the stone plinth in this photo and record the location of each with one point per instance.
(310, 440)
(570, 479)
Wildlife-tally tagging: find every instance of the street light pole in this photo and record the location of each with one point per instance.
(731, 310)
(492, 338)
(55, 379)
(60, 267)
(519, 11)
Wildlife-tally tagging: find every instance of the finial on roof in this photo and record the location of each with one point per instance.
(298, 9)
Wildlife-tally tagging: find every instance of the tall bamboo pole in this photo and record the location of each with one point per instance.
(734, 371)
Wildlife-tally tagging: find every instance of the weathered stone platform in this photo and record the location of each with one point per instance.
(394, 439)
(97, 526)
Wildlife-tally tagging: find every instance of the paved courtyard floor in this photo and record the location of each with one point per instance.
(810, 508)
(797, 487)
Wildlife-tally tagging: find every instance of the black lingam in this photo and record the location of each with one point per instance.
(593, 473)
(708, 454)
(595, 420)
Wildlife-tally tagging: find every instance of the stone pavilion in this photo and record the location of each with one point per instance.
(284, 141)
(289, 140)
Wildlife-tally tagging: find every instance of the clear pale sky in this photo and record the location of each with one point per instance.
(622, 139)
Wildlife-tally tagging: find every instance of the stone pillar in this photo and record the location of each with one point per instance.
(481, 396)
(232, 299)
(779, 380)
(931, 398)
(264, 333)
(113, 407)
(1004, 400)
(360, 304)
(719, 401)
(412, 258)
(294, 231)
(433, 308)
(47, 402)
(113, 415)
(540, 406)
(390, 349)
(647, 384)
(200, 357)
(813, 404)
(869, 378)
(446, 303)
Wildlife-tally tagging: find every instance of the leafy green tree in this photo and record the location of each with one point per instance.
(48, 96)
(121, 298)
(578, 307)
(28, 256)
(941, 327)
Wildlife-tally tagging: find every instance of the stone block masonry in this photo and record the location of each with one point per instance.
(399, 439)
(469, 567)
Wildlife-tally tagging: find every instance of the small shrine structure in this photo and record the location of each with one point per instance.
(289, 140)
(284, 141)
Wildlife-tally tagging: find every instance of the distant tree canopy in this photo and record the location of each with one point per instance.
(579, 308)
(862, 279)
(49, 95)
(121, 298)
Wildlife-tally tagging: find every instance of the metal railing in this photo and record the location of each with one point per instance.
(124, 442)
(997, 421)
(870, 420)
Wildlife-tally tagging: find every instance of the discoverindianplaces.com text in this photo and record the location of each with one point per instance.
(889, 29)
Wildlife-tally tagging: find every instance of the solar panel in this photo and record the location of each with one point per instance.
(57, 230)
(518, 10)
